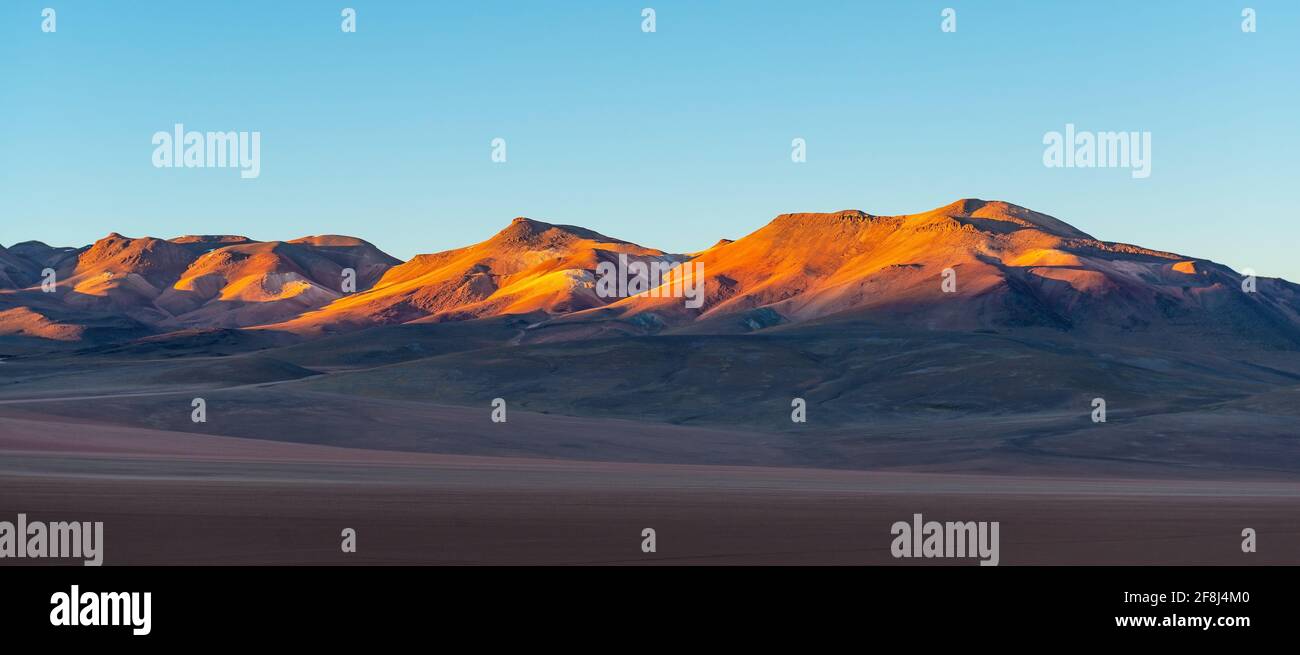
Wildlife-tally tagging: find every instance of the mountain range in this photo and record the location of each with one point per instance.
(977, 336)
(1011, 268)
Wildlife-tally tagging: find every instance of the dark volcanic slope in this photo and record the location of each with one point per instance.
(851, 374)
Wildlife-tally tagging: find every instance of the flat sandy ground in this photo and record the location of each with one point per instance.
(176, 498)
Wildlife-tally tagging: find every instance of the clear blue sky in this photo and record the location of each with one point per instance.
(673, 139)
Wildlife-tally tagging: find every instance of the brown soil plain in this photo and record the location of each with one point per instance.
(371, 409)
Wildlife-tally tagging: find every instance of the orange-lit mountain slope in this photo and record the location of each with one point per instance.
(1007, 266)
(257, 283)
(969, 265)
(527, 267)
(193, 281)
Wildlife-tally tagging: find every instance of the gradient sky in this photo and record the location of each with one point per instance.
(672, 140)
